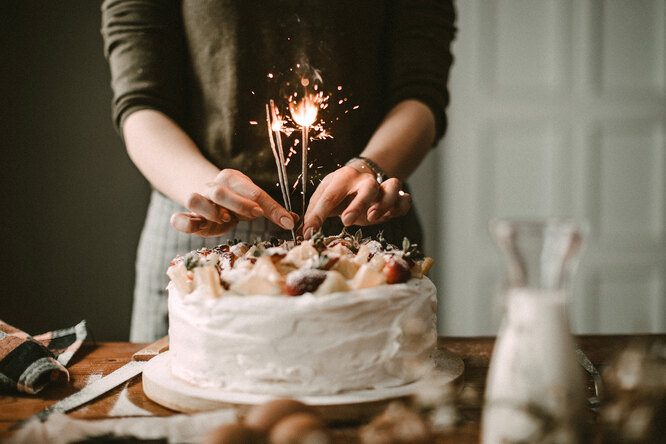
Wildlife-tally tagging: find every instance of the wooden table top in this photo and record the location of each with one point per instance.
(95, 360)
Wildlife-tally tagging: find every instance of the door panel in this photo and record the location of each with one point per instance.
(558, 109)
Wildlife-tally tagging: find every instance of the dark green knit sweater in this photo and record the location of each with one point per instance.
(205, 63)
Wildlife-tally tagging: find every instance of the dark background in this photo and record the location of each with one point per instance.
(72, 201)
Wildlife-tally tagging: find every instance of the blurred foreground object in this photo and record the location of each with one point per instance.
(635, 408)
(534, 390)
(397, 425)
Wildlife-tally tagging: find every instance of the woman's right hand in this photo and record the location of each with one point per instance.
(230, 198)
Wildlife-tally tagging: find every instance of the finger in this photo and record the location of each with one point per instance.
(235, 203)
(209, 210)
(403, 205)
(213, 229)
(264, 204)
(366, 194)
(186, 222)
(385, 218)
(311, 220)
(401, 208)
(195, 224)
(327, 196)
(389, 196)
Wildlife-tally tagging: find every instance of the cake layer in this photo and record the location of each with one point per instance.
(307, 345)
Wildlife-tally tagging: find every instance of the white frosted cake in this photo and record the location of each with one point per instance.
(321, 317)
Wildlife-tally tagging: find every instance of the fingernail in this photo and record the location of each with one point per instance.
(257, 211)
(226, 217)
(287, 222)
(372, 215)
(350, 217)
(307, 232)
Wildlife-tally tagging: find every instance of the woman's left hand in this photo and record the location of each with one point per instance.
(357, 198)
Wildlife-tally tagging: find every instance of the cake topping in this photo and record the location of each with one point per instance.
(397, 270)
(305, 280)
(321, 265)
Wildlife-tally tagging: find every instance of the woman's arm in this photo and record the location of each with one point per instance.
(173, 164)
(403, 139)
(145, 47)
(166, 155)
(417, 68)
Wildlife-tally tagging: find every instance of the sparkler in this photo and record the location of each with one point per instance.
(304, 104)
(304, 113)
(274, 125)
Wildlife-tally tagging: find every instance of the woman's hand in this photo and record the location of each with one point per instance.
(357, 198)
(231, 197)
(398, 145)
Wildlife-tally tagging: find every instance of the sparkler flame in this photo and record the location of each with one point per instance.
(304, 111)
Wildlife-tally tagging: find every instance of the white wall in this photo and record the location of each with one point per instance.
(558, 109)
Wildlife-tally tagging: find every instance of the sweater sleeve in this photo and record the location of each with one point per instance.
(420, 55)
(144, 45)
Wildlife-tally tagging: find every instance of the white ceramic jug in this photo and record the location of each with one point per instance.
(534, 391)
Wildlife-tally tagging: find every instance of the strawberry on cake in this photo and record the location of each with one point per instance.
(323, 316)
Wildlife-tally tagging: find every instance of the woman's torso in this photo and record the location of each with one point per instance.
(242, 54)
